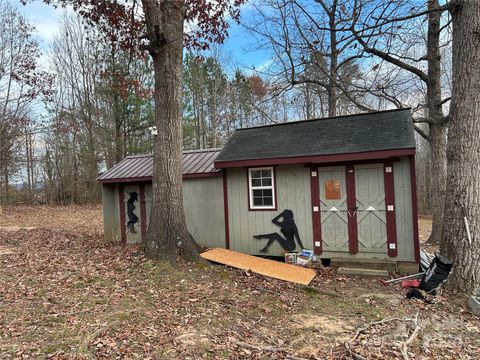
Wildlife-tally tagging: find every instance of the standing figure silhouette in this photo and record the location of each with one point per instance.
(289, 230)
(132, 217)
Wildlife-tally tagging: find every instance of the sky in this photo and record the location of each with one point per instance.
(237, 49)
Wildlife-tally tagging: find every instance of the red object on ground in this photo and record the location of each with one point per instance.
(415, 283)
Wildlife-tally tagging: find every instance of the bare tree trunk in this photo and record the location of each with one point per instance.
(118, 129)
(332, 89)
(463, 149)
(167, 231)
(438, 129)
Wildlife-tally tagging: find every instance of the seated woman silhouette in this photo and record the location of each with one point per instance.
(288, 229)
(132, 217)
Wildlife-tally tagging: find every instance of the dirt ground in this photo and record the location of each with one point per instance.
(64, 294)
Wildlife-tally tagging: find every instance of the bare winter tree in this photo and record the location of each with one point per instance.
(385, 30)
(463, 151)
(158, 27)
(311, 52)
(21, 82)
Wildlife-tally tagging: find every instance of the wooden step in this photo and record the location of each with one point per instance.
(362, 272)
(365, 263)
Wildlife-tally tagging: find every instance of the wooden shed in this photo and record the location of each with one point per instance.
(342, 186)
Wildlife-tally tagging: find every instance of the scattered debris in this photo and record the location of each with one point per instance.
(306, 258)
(425, 260)
(400, 279)
(436, 274)
(291, 257)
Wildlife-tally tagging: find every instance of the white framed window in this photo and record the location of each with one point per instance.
(261, 188)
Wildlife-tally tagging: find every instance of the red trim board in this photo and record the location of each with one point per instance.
(123, 231)
(388, 179)
(225, 210)
(143, 212)
(315, 202)
(351, 209)
(316, 159)
(413, 184)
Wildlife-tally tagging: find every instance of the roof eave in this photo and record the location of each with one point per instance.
(149, 178)
(367, 155)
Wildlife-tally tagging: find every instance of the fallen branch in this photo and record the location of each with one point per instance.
(383, 321)
(268, 349)
(410, 339)
(353, 353)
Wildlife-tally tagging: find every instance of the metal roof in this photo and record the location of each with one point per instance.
(196, 163)
(382, 130)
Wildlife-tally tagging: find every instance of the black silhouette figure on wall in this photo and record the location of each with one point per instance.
(132, 218)
(288, 229)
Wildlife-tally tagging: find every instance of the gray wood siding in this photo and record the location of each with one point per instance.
(403, 210)
(293, 192)
(203, 203)
(110, 221)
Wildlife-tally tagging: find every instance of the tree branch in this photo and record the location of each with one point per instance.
(422, 133)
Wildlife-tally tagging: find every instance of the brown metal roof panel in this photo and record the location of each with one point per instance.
(187, 161)
(207, 162)
(141, 166)
(192, 165)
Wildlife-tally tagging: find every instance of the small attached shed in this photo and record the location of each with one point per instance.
(127, 198)
(342, 186)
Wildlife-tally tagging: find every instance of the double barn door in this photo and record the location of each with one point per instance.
(355, 209)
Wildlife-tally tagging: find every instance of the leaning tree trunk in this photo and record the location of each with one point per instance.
(438, 175)
(167, 234)
(463, 150)
(438, 129)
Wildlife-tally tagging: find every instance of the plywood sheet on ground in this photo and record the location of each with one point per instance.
(271, 268)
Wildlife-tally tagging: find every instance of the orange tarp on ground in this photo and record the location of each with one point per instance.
(271, 268)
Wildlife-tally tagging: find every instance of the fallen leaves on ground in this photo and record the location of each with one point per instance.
(65, 294)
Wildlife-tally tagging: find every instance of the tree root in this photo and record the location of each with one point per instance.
(404, 348)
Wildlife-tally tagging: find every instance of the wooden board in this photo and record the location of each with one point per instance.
(271, 268)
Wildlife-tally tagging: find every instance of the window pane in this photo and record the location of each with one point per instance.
(257, 193)
(268, 201)
(255, 174)
(266, 182)
(266, 173)
(267, 192)
(256, 182)
(257, 201)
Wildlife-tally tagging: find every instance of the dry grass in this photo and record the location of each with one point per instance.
(64, 294)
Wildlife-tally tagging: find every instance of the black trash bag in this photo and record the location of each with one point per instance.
(436, 274)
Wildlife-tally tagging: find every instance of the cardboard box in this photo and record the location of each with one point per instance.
(291, 258)
(304, 260)
(307, 253)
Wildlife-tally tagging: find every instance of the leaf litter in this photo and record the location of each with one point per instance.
(65, 294)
